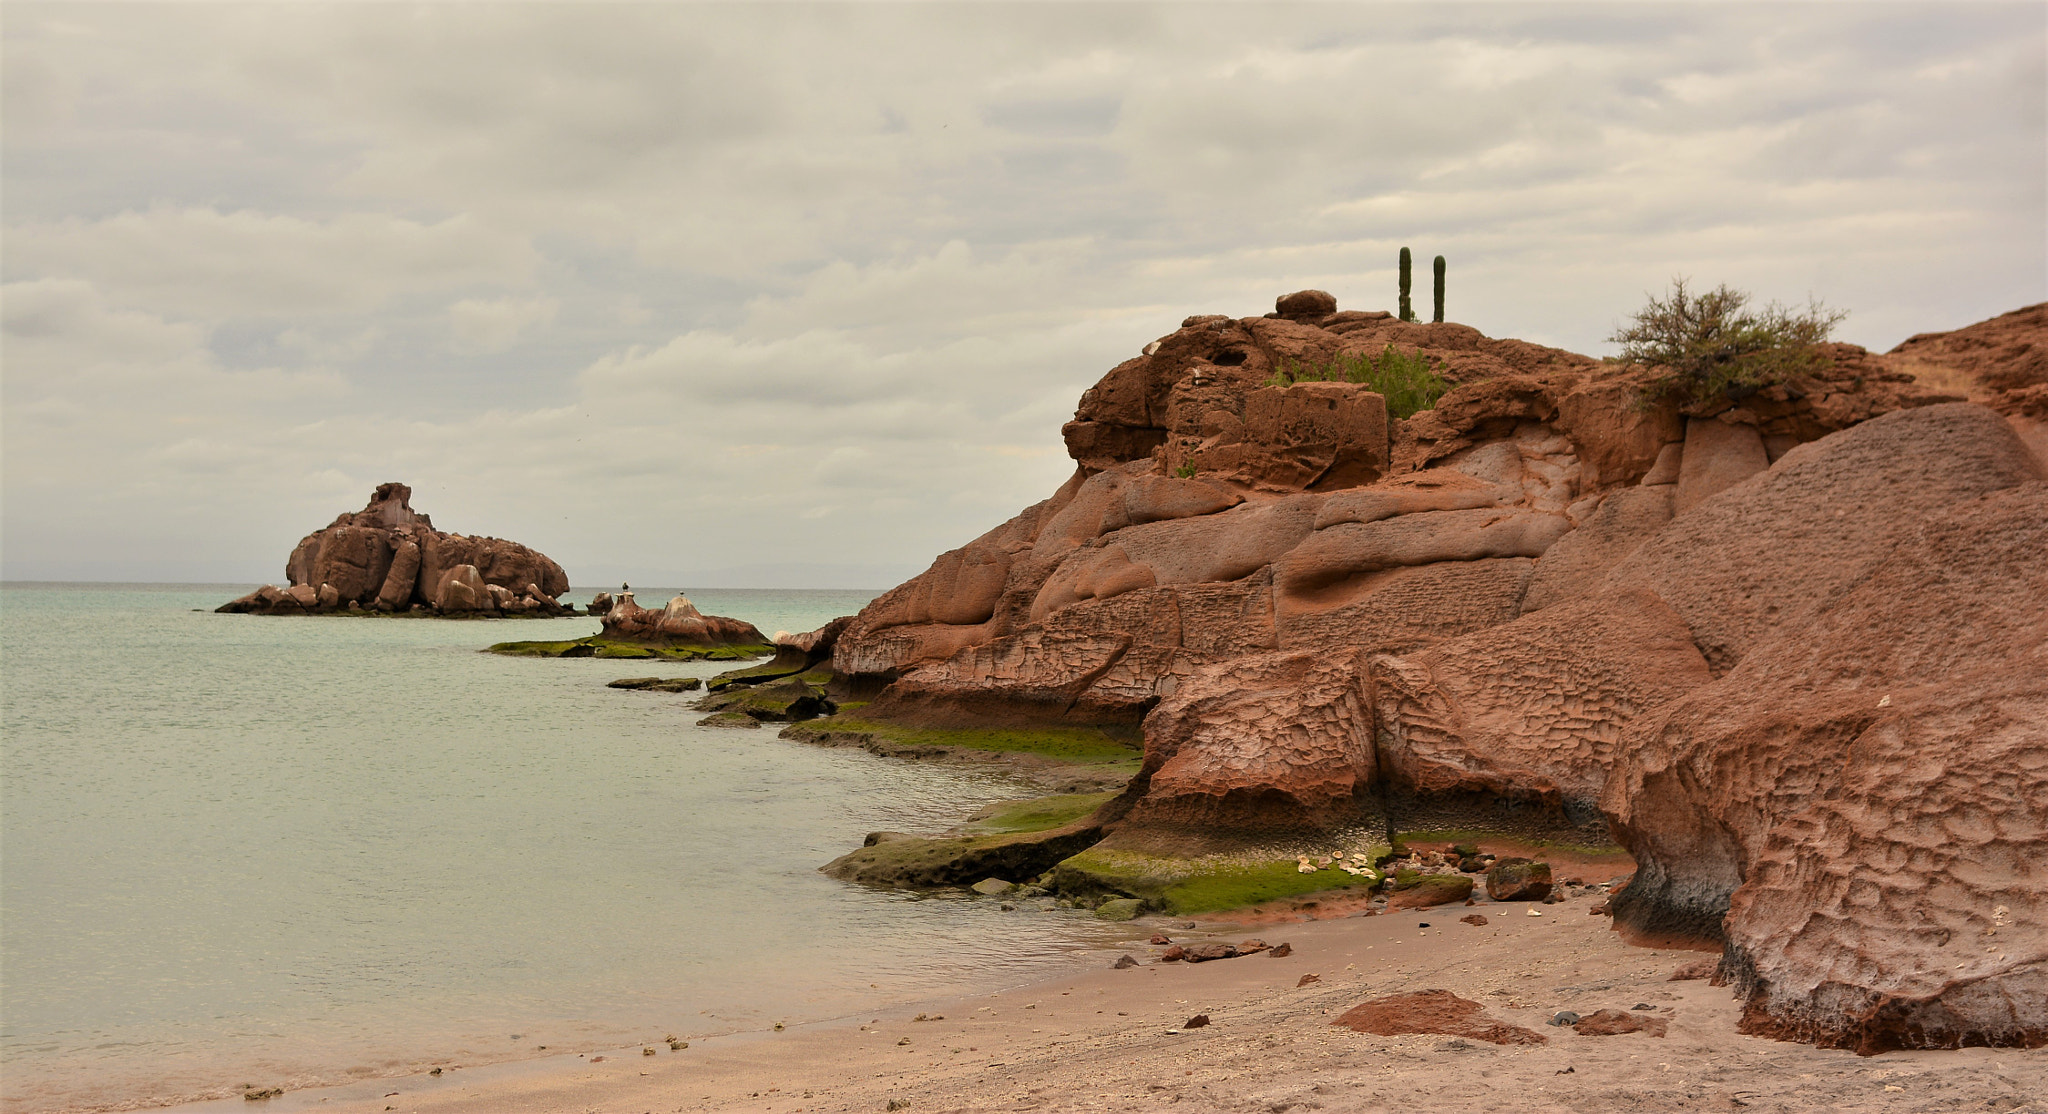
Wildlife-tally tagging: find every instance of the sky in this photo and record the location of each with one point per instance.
(782, 295)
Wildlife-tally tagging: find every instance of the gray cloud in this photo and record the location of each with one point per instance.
(682, 287)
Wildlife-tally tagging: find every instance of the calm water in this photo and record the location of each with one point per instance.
(241, 849)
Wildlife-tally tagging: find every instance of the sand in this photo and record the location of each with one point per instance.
(1107, 1039)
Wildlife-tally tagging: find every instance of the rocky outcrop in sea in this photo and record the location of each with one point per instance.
(1788, 648)
(388, 557)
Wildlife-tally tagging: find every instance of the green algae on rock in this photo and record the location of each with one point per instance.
(598, 646)
(1091, 745)
(1207, 884)
(912, 861)
(657, 684)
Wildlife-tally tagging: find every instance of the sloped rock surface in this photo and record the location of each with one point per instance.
(389, 557)
(1857, 807)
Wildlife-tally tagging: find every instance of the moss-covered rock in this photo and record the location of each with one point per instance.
(788, 701)
(1119, 909)
(1518, 880)
(657, 684)
(597, 646)
(1201, 885)
(914, 862)
(1069, 744)
(728, 719)
(1035, 815)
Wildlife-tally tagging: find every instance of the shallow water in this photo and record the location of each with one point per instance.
(284, 851)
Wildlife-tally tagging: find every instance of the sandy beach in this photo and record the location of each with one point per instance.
(1117, 1039)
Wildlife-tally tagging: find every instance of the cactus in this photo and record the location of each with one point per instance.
(1407, 280)
(1439, 269)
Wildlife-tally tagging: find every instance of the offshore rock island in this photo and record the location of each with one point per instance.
(389, 558)
(1787, 649)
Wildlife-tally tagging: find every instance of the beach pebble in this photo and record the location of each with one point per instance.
(1123, 961)
(1307, 979)
(1564, 1017)
(1474, 918)
(1196, 1021)
(1161, 938)
(1282, 950)
(1535, 912)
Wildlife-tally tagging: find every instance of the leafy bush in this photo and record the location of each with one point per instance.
(1405, 378)
(1710, 344)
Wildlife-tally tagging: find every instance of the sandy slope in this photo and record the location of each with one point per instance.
(1108, 1039)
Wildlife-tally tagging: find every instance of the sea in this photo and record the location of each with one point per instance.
(298, 851)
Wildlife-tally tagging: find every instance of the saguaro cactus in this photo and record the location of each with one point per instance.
(1407, 278)
(1439, 268)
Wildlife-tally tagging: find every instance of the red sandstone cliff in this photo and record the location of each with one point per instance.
(1788, 648)
(389, 557)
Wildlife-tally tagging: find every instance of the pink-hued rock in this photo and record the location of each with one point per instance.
(1784, 647)
(1265, 746)
(1718, 455)
(677, 623)
(1856, 807)
(1433, 1011)
(389, 557)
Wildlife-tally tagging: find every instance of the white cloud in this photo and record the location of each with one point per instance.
(216, 265)
(493, 325)
(826, 280)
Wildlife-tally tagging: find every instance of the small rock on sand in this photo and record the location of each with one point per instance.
(1474, 918)
(1281, 951)
(1124, 961)
(992, 887)
(1608, 1023)
(1307, 979)
(1433, 1011)
(1196, 1021)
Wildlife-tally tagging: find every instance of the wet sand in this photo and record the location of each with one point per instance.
(1107, 1039)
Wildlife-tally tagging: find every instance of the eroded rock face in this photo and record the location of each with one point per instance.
(1547, 607)
(1856, 807)
(389, 557)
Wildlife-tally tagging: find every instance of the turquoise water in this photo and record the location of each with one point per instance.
(288, 851)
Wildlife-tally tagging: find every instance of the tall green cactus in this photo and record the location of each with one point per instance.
(1439, 268)
(1407, 280)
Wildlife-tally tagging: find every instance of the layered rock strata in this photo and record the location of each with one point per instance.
(388, 557)
(1784, 647)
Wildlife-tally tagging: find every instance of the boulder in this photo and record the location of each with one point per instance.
(1252, 750)
(1429, 891)
(1608, 1023)
(1518, 880)
(1309, 304)
(678, 623)
(1433, 1011)
(389, 557)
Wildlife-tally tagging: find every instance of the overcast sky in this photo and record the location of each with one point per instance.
(664, 290)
